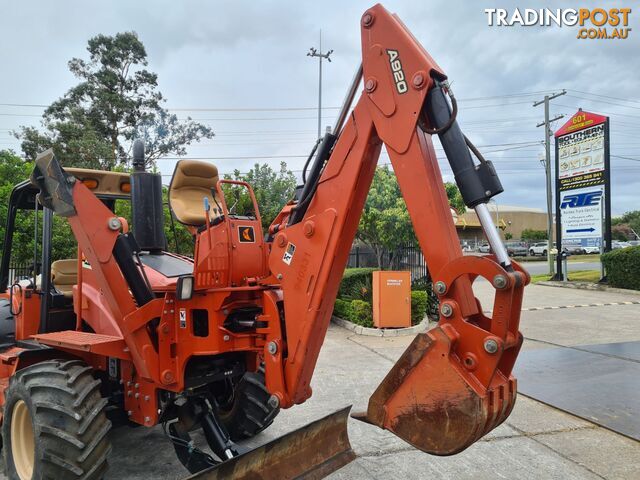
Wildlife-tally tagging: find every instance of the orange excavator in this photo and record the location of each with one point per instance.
(130, 333)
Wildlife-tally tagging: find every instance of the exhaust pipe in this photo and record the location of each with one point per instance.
(146, 204)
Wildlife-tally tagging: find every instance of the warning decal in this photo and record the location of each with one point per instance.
(288, 253)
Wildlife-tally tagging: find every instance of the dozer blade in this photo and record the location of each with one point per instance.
(311, 452)
(428, 400)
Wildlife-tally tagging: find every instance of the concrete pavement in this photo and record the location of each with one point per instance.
(536, 442)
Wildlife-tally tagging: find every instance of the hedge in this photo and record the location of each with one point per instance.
(419, 302)
(355, 297)
(357, 284)
(341, 308)
(360, 313)
(623, 267)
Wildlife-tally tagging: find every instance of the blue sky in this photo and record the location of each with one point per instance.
(250, 57)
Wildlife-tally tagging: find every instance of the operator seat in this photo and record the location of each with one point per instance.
(64, 275)
(191, 182)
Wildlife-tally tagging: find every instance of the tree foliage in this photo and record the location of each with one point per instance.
(273, 189)
(455, 197)
(626, 227)
(531, 235)
(385, 224)
(179, 239)
(14, 170)
(94, 123)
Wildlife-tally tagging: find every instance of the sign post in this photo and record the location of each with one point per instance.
(583, 199)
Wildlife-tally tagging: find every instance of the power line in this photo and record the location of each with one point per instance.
(604, 96)
(603, 101)
(627, 158)
(270, 109)
(604, 113)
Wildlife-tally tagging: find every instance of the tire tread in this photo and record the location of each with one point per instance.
(70, 424)
(250, 413)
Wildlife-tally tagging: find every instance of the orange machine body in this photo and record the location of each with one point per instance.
(285, 286)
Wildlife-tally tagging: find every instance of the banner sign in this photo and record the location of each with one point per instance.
(583, 203)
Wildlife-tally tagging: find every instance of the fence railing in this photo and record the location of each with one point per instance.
(18, 271)
(408, 257)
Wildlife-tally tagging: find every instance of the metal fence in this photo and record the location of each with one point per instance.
(362, 256)
(19, 271)
(408, 257)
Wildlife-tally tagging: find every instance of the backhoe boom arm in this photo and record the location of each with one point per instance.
(454, 383)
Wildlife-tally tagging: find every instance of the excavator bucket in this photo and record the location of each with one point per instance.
(311, 452)
(428, 400)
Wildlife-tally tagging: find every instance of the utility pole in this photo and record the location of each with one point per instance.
(547, 170)
(318, 53)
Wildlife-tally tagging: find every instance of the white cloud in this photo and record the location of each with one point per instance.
(252, 54)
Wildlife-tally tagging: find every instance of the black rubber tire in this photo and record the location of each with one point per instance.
(7, 325)
(250, 412)
(69, 423)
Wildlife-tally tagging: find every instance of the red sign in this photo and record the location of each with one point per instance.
(580, 121)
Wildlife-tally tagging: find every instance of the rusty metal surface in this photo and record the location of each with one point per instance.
(308, 453)
(600, 383)
(425, 401)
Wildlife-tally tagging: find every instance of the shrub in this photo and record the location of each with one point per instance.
(357, 284)
(341, 308)
(360, 313)
(419, 303)
(623, 267)
(422, 283)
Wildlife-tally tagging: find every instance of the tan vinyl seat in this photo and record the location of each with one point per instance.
(64, 275)
(191, 182)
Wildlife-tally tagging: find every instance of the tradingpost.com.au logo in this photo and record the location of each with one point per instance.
(592, 23)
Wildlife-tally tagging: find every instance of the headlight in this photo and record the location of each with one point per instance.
(184, 288)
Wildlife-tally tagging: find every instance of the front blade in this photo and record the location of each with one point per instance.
(311, 452)
(428, 401)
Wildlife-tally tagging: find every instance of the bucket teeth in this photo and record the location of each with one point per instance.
(428, 400)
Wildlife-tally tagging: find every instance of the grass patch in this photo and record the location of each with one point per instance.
(590, 276)
(584, 258)
(572, 258)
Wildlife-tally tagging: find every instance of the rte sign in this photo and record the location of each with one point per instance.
(583, 200)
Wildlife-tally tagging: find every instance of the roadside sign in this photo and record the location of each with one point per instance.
(583, 203)
(582, 213)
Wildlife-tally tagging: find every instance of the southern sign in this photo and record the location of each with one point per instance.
(583, 211)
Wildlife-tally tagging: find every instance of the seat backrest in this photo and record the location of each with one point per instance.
(64, 275)
(191, 182)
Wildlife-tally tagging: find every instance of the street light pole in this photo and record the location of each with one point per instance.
(547, 171)
(318, 53)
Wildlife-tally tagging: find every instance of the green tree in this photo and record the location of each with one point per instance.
(385, 224)
(455, 197)
(179, 239)
(531, 235)
(273, 189)
(14, 170)
(117, 100)
(626, 227)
